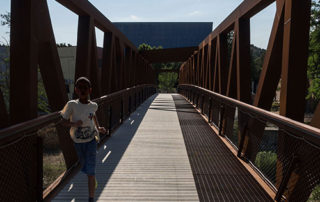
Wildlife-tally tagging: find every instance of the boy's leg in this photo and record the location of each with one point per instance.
(91, 185)
(80, 148)
(91, 166)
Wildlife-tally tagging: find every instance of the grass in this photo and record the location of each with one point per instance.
(53, 160)
(53, 167)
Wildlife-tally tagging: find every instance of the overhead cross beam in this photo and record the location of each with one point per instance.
(168, 55)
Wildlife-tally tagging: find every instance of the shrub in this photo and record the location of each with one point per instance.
(266, 162)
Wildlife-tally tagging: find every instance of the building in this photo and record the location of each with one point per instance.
(165, 34)
(67, 57)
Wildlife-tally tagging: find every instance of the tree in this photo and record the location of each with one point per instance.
(314, 53)
(6, 19)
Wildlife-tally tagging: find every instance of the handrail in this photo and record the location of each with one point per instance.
(307, 132)
(290, 163)
(18, 130)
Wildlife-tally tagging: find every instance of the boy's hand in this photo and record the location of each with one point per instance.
(77, 124)
(102, 130)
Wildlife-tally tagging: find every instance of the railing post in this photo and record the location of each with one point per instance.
(39, 185)
(130, 100)
(121, 110)
(202, 103)
(221, 119)
(110, 119)
(242, 138)
(286, 178)
(210, 107)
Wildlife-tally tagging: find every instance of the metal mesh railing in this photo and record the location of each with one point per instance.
(285, 153)
(19, 169)
(37, 152)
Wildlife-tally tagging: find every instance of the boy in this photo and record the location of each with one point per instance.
(80, 115)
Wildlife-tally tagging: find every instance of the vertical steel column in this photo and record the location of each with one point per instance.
(107, 61)
(295, 56)
(23, 61)
(95, 71)
(84, 40)
(269, 79)
(294, 73)
(222, 68)
(243, 60)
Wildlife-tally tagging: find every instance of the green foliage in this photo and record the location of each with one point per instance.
(314, 53)
(43, 106)
(257, 58)
(167, 82)
(6, 19)
(144, 47)
(315, 195)
(266, 161)
(4, 76)
(63, 45)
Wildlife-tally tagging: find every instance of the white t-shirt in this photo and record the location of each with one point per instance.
(75, 111)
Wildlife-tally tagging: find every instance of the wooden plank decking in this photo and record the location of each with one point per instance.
(144, 160)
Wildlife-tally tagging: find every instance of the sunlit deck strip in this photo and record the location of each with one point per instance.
(144, 160)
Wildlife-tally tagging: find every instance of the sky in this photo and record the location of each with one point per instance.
(64, 22)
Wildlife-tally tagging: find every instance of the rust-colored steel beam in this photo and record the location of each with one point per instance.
(246, 9)
(107, 62)
(127, 66)
(23, 62)
(212, 63)
(294, 80)
(205, 67)
(168, 55)
(271, 69)
(268, 81)
(95, 72)
(242, 26)
(49, 62)
(222, 64)
(232, 75)
(209, 66)
(215, 74)
(84, 41)
(295, 55)
(85, 8)
(52, 76)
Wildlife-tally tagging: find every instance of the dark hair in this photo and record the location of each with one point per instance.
(84, 79)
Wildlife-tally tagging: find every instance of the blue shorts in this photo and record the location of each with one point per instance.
(87, 156)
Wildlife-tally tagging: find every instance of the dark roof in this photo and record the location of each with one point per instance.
(165, 34)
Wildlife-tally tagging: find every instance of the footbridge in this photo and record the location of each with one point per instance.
(213, 140)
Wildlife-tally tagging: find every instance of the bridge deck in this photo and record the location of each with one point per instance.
(146, 160)
(218, 174)
(142, 161)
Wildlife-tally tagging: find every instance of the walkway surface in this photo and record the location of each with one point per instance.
(144, 160)
(218, 174)
(166, 152)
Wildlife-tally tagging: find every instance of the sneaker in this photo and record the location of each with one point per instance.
(95, 179)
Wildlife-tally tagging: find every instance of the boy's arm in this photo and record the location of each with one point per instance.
(100, 129)
(68, 123)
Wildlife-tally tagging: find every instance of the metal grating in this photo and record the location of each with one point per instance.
(218, 174)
